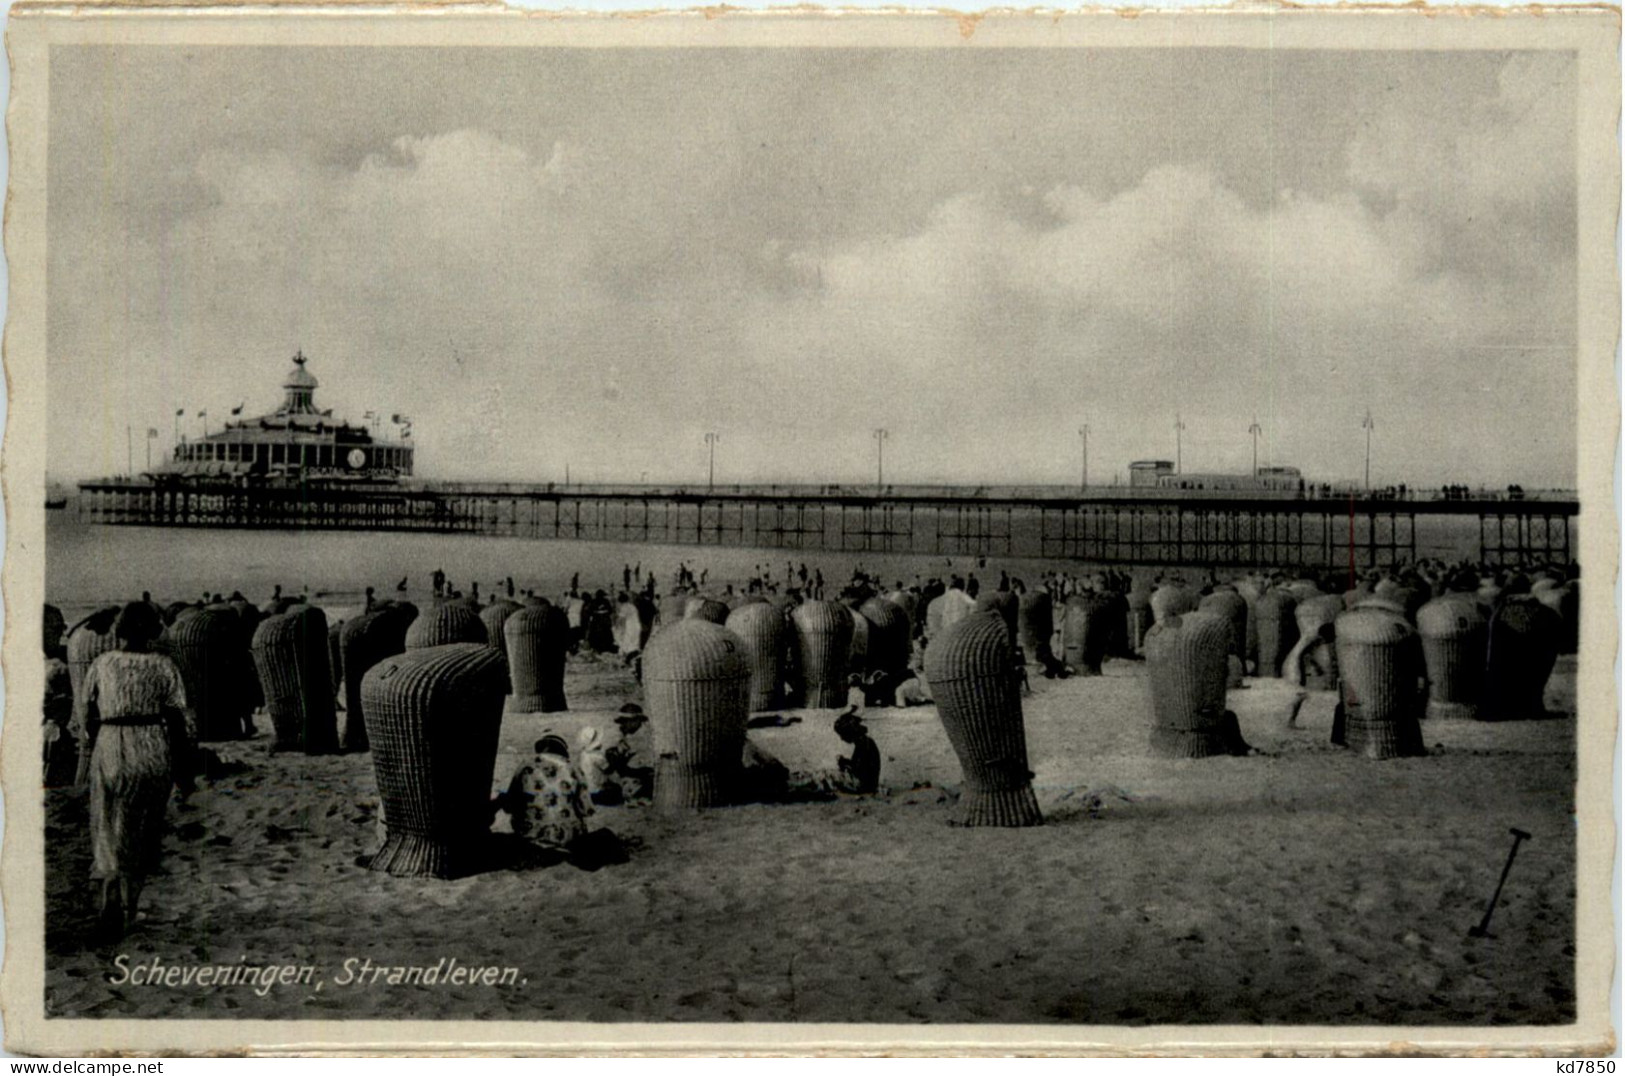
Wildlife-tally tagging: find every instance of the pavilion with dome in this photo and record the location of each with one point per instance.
(297, 440)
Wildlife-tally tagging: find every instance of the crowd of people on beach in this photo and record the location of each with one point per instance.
(126, 732)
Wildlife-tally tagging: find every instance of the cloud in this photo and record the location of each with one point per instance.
(568, 296)
(1179, 293)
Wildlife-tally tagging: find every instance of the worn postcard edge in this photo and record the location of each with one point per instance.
(1591, 31)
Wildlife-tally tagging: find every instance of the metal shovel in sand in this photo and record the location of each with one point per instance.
(1482, 930)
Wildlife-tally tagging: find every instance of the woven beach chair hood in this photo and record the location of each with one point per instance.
(536, 640)
(823, 642)
(970, 668)
(1276, 614)
(1524, 636)
(764, 635)
(1379, 664)
(290, 654)
(1455, 634)
(208, 648)
(447, 622)
(696, 678)
(433, 717)
(1187, 666)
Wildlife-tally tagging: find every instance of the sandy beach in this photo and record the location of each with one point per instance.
(1298, 885)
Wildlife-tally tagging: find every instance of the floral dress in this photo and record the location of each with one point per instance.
(550, 802)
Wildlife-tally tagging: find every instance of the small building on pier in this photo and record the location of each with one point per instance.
(1145, 474)
(296, 441)
(1267, 480)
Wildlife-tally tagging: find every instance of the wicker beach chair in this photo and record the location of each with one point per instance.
(823, 641)
(764, 634)
(696, 680)
(433, 717)
(1455, 635)
(290, 652)
(1380, 665)
(536, 640)
(1187, 665)
(971, 670)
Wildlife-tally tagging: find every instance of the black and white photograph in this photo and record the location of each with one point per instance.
(1065, 530)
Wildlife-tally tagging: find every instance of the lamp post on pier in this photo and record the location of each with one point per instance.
(1368, 425)
(711, 439)
(880, 436)
(1083, 435)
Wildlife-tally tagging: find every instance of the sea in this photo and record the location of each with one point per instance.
(91, 565)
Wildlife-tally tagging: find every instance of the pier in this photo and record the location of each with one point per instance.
(1117, 526)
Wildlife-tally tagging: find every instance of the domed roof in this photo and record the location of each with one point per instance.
(299, 377)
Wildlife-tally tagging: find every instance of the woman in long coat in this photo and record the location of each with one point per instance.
(141, 746)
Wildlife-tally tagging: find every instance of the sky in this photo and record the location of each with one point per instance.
(593, 257)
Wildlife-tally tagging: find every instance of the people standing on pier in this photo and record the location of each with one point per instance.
(142, 738)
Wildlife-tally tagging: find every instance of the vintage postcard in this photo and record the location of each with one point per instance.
(672, 533)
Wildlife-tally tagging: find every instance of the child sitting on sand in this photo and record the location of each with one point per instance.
(593, 765)
(861, 772)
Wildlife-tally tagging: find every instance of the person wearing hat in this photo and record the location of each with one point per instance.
(630, 754)
(593, 766)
